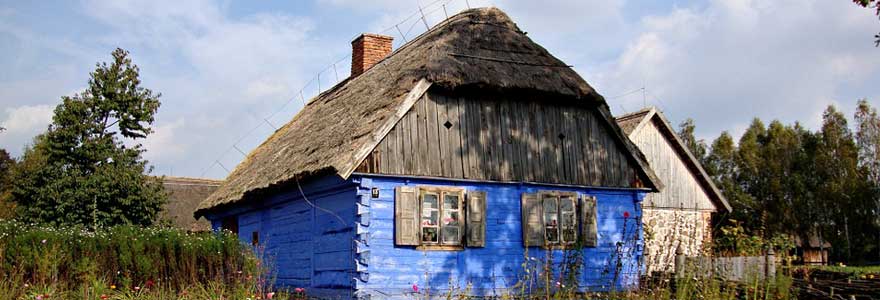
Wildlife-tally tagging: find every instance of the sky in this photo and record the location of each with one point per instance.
(231, 72)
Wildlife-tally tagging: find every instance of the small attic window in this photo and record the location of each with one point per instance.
(447, 124)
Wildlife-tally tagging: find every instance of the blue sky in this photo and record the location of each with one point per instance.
(225, 67)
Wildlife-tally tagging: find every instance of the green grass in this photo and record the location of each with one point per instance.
(854, 272)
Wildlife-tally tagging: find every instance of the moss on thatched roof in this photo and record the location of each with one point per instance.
(476, 49)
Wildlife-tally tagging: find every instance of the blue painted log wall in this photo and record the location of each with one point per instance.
(303, 244)
(391, 271)
(307, 247)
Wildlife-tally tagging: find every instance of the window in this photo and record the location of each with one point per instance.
(441, 216)
(255, 238)
(552, 218)
(230, 224)
(436, 217)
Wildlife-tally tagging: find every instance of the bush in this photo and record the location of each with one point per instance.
(77, 263)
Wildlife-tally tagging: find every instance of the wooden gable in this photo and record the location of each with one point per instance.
(503, 138)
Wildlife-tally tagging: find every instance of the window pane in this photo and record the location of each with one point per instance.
(429, 201)
(451, 218)
(568, 219)
(451, 235)
(551, 220)
(429, 234)
(450, 201)
(429, 218)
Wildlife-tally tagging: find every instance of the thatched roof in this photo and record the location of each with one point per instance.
(184, 196)
(476, 49)
(633, 122)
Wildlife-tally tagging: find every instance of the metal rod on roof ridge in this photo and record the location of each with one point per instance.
(335, 72)
(239, 150)
(222, 166)
(270, 124)
(401, 33)
(445, 12)
(319, 82)
(423, 19)
(302, 97)
(468, 3)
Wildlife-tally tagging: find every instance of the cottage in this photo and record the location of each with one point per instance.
(184, 196)
(462, 159)
(679, 217)
(813, 250)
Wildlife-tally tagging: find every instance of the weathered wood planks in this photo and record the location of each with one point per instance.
(517, 139)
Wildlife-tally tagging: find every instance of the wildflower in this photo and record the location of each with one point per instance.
(299, 290)
(149, 284)
(270, 295)
(112, 286)
(43, 241)
(625, 214)
(104, 296)
(39, 297)
(415, 288)
(137, 288)
(558, 283)
(26, 285)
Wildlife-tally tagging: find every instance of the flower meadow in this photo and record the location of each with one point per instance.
(128, 262)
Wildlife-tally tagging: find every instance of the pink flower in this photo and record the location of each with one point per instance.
(137, 288)
(415, 288)
(43, 241)
(299, 290)
(270, 295)
(625, 214)
(39, 297)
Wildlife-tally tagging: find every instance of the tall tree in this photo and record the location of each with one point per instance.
(697, 147)
(7, 163)
(87, 168)
(868, 142)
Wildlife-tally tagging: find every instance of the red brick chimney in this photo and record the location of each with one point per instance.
(367, 50)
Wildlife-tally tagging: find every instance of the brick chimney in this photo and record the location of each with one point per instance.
(367, 50)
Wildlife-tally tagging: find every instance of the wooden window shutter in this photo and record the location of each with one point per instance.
(476, 219)
(406, 216)
(589, 222)
(532, 220)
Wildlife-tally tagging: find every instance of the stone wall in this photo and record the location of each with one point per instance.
(667, 229)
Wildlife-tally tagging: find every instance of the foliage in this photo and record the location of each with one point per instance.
(786, 181)
(870, 3)
(87, 168)
(7, 163)
(696, 146)
(125, 262)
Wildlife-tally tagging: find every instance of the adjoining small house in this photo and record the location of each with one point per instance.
(460, 160)
(813, 251)
(184, 196)
(679, 217)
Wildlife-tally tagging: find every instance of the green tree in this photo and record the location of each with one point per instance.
(7, 163)
(87, 168)
(697, 147)
(868, 142)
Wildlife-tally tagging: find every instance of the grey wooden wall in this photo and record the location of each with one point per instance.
(682, 190)
(502, 139)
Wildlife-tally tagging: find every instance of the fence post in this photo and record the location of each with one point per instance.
(679, 262)
(770, 264)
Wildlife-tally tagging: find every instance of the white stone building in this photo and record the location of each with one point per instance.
(680, 215)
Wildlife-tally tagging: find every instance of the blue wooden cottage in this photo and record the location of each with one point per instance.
(469, 159)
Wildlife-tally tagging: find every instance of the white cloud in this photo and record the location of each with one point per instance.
(23, 123)
(165, 143)
(735, 60)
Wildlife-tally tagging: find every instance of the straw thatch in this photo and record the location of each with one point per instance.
(631, 123)
(184, 196)
(476, 49)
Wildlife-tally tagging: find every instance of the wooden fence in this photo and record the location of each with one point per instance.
(738, 268)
